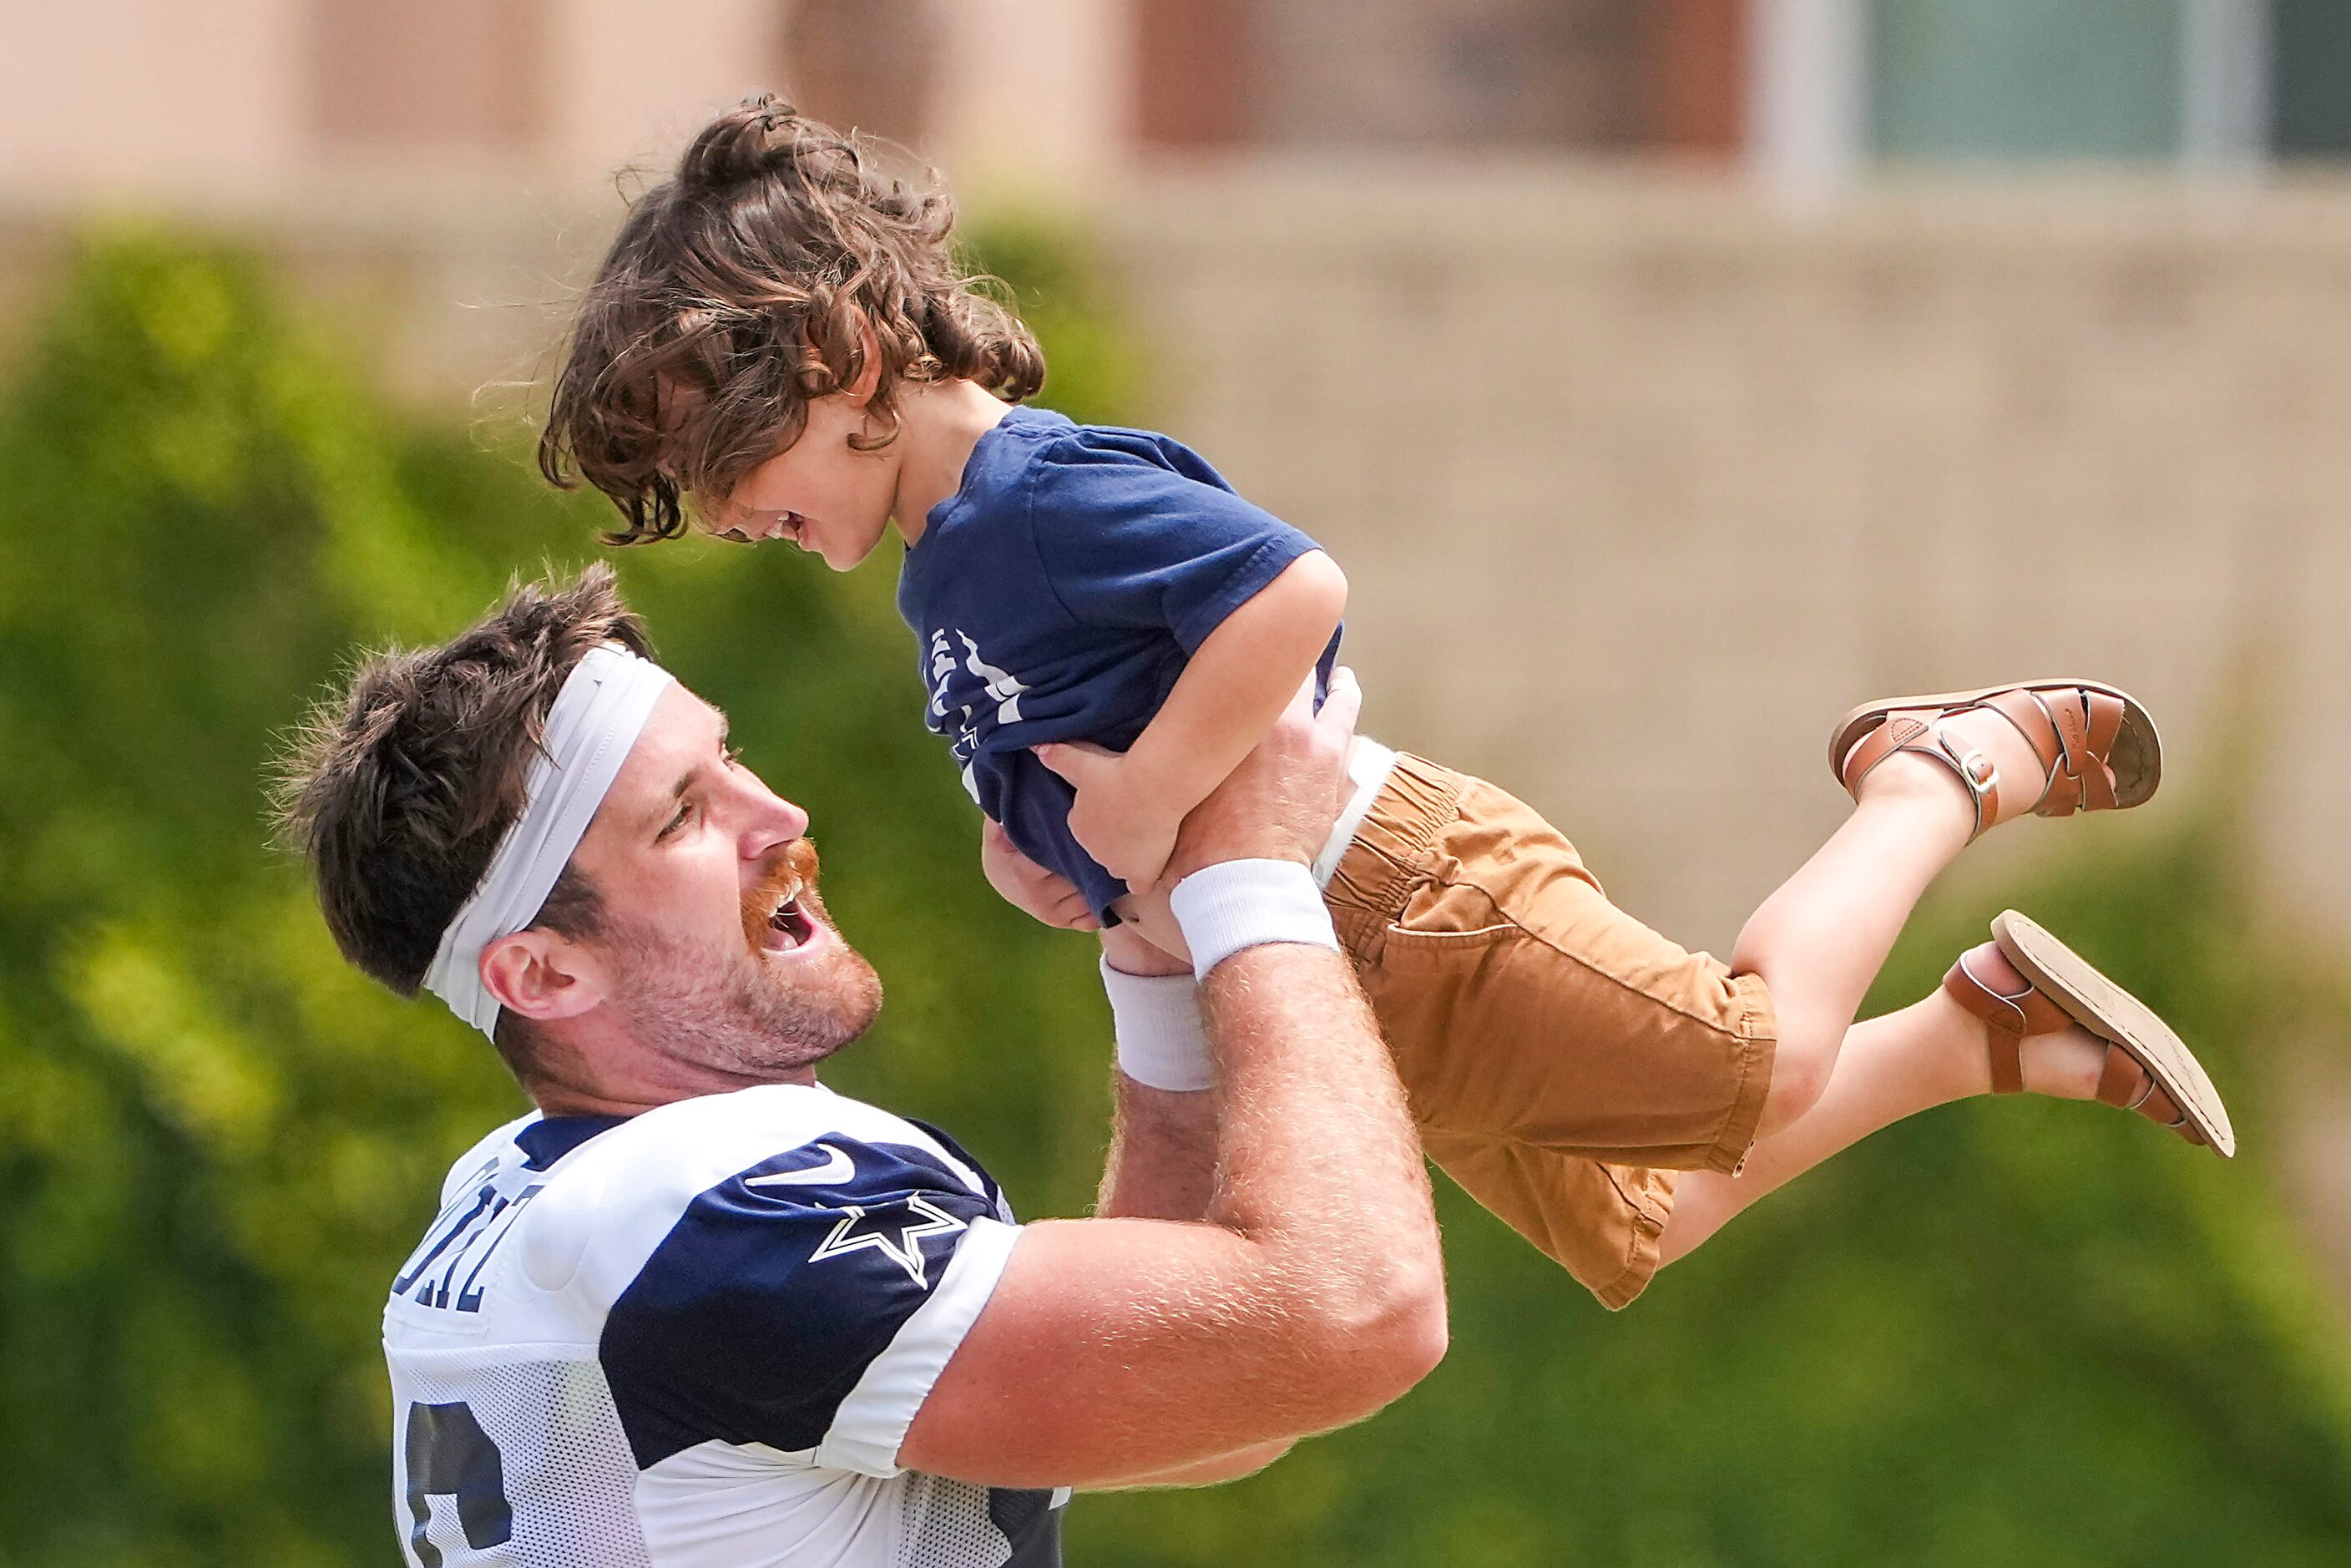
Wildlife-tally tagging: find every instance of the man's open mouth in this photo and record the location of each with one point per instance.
(781, 910)
(789, 926)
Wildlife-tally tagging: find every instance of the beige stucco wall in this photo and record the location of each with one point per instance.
(139, 95)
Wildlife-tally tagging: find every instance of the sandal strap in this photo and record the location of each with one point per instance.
(1915, 731)
(2010, 1018)
(2092, 780)
(2126, 1083)
(2071, 731)
(2123, 1083)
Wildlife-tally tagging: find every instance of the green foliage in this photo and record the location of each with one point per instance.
(2017, 1331)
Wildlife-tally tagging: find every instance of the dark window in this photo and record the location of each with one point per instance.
(2310, 78)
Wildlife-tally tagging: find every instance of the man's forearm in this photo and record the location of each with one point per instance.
(1303, 1073)
(1306, 1155)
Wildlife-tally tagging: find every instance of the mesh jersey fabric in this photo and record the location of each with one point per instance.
(695, 1338)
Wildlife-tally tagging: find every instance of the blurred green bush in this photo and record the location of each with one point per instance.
(2015, 1333)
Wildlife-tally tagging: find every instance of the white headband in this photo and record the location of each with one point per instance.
(589, 732)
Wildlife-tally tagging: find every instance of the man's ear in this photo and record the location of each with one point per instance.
(541, 975)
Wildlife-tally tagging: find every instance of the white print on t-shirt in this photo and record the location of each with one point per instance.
(1002, 687)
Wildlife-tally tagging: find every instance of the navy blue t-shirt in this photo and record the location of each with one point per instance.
(1057, 596)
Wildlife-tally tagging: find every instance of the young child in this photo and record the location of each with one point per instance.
(782, 333)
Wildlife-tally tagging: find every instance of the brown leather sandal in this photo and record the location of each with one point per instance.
(2149, 1068)
(2098, 749)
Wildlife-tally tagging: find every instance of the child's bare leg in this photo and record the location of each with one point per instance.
(1819, 940)
(1928, 1054)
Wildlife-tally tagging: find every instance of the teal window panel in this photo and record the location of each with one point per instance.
(2024, 79)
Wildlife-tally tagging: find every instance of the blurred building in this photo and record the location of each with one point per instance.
(247, 99)
(234, 98)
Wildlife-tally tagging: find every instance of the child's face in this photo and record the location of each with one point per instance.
(820, 493)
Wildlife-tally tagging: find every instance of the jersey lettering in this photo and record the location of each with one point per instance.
(475, 1234)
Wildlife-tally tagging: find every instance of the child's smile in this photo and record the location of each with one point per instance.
(823, 493)
(839, 548)
(790, 525)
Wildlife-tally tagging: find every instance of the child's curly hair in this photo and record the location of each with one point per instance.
(736, 293)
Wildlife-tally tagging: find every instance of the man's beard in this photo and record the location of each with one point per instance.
(734, 1008)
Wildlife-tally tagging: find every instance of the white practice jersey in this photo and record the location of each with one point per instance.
(695, 1338)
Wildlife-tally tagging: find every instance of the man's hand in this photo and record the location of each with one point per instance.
(1029, 887)
(1281, 801)
(1136, 1350)
(1214, 1310)
(1123, 821)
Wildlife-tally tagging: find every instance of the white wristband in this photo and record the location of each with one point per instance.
(1248, 903)
(1162, 1042)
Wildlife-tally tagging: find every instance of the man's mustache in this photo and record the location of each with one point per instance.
(785, 867)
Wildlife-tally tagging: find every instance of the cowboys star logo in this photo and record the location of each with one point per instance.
(896, 1231)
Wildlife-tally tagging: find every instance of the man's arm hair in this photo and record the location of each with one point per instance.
(1163, 1154)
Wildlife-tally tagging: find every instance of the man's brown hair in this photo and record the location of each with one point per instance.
(742, 288)
(398, 788)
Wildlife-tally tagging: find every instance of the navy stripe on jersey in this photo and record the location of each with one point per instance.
(760, 1310)
(1003, 1209)
(550, 1138)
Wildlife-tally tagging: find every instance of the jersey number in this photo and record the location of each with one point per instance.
(449, 1455)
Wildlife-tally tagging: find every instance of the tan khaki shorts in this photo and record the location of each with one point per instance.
(1562, 1058)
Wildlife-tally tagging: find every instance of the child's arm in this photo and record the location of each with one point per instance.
(1236, 684)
